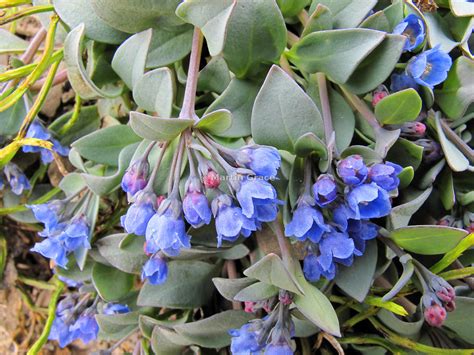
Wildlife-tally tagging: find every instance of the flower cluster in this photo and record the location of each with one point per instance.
(272, 334)
(438, 298)
(66, 228)
(75, 320)
(16, 179)
(333, 216)
(429, 68)
(37, 130)
(249, 200)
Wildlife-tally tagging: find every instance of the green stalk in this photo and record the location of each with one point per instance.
(24, 12)
(35, 349)
(75, 115)
(13, 3)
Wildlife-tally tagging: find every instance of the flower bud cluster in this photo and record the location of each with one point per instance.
(333, 218)
(163, 220)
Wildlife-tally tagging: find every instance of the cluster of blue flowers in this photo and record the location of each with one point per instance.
(66, 229)
(37, 130)
(75, 321)
(162, 220)
(334, 221)
(429, 68)
(272, 334)
(15, 178)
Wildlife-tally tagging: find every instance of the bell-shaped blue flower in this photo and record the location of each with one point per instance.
(166, 230)
(155, 270)
(76, 234)
(230, 221)
(352, 170)
(246, 339)
(15, 177)
(361, 232)
(48, 213)
(402, 81)
(311, 268)
(36, 130)
(369, 201)
(307, 223)
(139, 213)
(195, 204)
(281, 348)
(85, 328)
(60, 332)
(324, 190)
(264, 161)
(429, 68)
(335, 246)
(135, 178)
(258, 199)
(385, 175)
(413, 28)
(53, 249)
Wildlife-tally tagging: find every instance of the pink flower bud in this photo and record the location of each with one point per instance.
(211, 180)
(435, 315)
(377, 96)
(446, 294)
(249, 307)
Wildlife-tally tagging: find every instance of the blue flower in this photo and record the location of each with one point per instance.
(413, 28)
(361, 232)
(352, 170)
(15, 177)
(139, 213)
(335, 246)
(135, 178)
(385, 175)
(53, 249)
(196, 209)
(311, 267)
(70, 282)
(85, 328)
(230, 221)
(369, 201)
(60, 332)
(245, 340)
(281, 348)
(324, 190)
(155, 270)
(166, 230)
(115, 308)
(48, 213)
(429, 68)
(400, 82)
(76, 234)
(307, 223)
(264, 161)
(258, 199)
(36, 130)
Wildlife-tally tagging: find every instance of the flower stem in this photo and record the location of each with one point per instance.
(361, 107)
(35, 349)
(158, 163)
(187, 110)
(325, 106)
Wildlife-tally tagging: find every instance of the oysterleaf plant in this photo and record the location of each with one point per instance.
(252, 176)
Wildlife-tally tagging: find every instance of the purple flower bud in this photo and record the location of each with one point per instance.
(385, 175)
(264, 161)
(352, 170)
(155, 270)
(140, 213)
(166, 230)
(135, 178)
(324, 190)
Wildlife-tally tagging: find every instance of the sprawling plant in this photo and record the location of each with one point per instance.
(269, 176)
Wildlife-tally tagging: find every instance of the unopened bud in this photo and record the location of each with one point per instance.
(250, 307)
(435, 315)
(450, 306)
(431, 150)
(413, 130)
(211, 180)
(377, 96)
